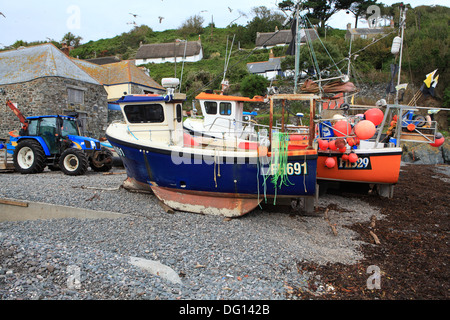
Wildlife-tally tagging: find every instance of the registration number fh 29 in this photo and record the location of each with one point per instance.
(363, 163)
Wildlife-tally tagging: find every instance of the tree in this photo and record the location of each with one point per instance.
(193, 25)
(318, 11)
(358, 8)
(71, 40)
(263, 21)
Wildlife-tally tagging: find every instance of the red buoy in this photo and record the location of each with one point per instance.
(330, 162)
(374, 115)
(342, 128)
(343, 149)
(365, 129)
(323, 144)
(332, 145)
(345, 157)
(352, 157)
(437, 142)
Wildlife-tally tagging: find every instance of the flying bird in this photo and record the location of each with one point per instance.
(2, 14)
(134, 15)
(230, 9)
(160, 19)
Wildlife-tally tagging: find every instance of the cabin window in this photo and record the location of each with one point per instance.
(225, 108)
(211, 107)
(32, 127)
(144, 113)
(179, 113)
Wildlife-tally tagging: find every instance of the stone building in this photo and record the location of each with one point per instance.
(42, 80)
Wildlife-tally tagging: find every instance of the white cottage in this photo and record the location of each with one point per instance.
(178, 51)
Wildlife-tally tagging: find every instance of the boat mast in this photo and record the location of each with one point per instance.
(402, 23)
(297, 50)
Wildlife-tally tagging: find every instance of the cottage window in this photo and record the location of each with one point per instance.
(211, 107)
(225, 108)
(144, 113)
(75, 96)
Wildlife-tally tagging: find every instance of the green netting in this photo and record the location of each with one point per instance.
(278, 163)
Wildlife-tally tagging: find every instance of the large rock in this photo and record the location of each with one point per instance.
(423, 153)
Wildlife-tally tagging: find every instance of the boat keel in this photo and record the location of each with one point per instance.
(219, 205)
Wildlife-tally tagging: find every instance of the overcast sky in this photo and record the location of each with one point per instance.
(93, 19)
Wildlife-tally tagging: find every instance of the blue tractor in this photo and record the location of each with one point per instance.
(55, 141)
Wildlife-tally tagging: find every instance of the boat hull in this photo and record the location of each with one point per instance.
(380, 166)
(228, 186)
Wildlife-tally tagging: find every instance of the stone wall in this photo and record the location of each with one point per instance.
(45, 96)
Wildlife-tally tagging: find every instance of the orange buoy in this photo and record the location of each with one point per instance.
(343, 149)
(374, 115)
(323, 144)
(330, 162)
(345, 157)
(365, 129)
(351, 141)
(411, 127)
(352, 157)
(342, 128)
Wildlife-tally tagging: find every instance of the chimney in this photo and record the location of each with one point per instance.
(65, 49)
(271, 56)
(349, 26)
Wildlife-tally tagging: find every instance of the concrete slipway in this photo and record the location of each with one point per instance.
(13, 210)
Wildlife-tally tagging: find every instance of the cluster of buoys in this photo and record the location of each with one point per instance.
(365, 127)
(351, 157)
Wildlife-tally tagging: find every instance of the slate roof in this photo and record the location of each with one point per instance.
(273, 64)
(270, 39)
(165, 50)
(104, 60)
(40, 61)
(117, 73)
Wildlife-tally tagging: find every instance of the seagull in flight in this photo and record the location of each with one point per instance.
(134, 15)
(2, 14)
(230, 9)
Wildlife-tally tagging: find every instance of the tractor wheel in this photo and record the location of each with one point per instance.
(73, 162)
(101, 161)
(29, 157)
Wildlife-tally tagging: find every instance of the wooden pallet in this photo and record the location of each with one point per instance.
(6, 161)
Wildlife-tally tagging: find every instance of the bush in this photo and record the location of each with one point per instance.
(254, 85)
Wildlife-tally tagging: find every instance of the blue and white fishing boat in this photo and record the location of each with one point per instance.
(191, 175)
